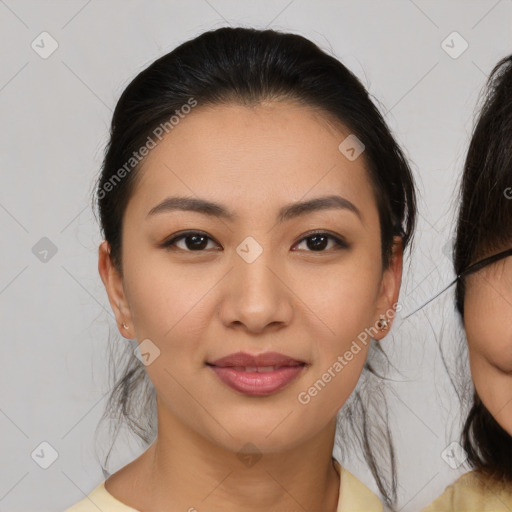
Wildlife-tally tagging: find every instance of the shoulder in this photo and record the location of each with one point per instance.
(473, 492)
(100, 499)
(354, 495)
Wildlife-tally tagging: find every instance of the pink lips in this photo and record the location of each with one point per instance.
(259, 375)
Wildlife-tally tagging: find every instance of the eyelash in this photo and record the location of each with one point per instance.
(340, 243)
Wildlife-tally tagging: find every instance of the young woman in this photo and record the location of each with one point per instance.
(484, 300)
(255, 208)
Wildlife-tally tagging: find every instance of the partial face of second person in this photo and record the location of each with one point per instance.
(487, 321)
(303, 297)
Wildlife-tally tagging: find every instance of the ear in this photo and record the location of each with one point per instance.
(390, 287)
(113, 282)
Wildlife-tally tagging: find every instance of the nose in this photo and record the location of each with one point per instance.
(255, 297)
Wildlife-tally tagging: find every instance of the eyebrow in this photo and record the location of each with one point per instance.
(287, 212)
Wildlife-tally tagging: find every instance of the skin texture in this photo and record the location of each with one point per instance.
(487, 313)
(199, 306)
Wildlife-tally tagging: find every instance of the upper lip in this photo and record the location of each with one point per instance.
(265, 359)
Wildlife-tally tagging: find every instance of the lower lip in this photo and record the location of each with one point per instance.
(255, 383)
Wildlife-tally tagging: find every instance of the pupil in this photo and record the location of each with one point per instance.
(317, 242)
(196, 242)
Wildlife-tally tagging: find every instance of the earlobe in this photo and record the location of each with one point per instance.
(113, 282)
(382, 323)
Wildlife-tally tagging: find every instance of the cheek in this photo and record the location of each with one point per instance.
(489, 335)
(349, 296)
(487, 314)
(343, 301)
(162, 296)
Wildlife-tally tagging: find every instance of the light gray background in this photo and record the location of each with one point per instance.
(55, 112)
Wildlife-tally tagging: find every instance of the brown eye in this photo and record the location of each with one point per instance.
(317, 242)
(192, 241)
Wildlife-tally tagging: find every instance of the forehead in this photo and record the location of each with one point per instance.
(275, 152)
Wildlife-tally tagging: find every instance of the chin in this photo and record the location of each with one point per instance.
(263, 438)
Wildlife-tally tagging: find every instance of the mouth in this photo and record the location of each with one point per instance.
(260, 375)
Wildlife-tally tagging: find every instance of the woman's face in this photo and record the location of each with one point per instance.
(487, 314)
(258, 282)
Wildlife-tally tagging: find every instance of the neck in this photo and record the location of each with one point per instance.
(184, 471)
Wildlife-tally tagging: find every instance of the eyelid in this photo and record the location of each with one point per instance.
(339, 240)
(175, 237)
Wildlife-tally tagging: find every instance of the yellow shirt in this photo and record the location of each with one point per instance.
(474, 492)
(354, 497)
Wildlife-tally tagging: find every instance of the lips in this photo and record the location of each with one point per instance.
(268, 359)
(257, 375)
